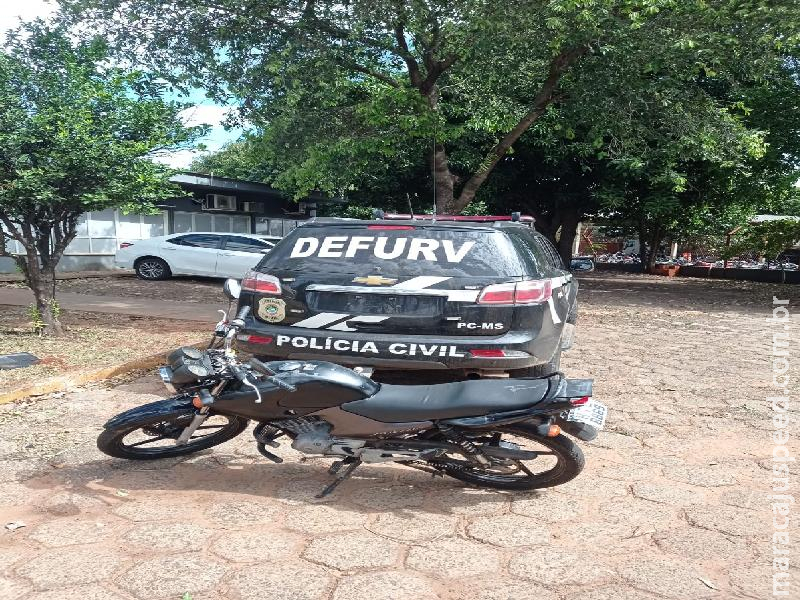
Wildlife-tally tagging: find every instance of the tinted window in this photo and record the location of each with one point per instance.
(532, 254)
(243, 244)
(449, 252)
(197, 240)
(552, 254)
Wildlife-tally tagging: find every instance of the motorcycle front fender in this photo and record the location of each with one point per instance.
(153, 412)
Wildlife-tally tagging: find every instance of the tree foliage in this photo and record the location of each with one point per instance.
(338, 88)
(76, 135)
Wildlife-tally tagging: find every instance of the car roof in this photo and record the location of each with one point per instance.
(419, 223)
(252, 235)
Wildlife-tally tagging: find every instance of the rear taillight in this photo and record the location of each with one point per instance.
(261, 283)
(579, 401)
(524, 292)
(125, 245)
(488, 353)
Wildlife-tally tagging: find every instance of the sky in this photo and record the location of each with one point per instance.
(204, 111)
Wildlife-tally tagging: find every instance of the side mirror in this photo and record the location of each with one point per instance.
(582, 264)
(232, 289)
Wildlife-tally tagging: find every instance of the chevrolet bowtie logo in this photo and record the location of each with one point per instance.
(375, 280)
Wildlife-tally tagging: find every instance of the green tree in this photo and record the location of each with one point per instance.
(76, 135)
(336, 87)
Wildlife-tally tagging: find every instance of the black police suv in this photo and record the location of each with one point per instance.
(481, 296)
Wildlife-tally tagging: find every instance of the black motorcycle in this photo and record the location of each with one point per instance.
(498, 433)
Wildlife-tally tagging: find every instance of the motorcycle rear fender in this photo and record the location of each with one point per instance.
(155, 411)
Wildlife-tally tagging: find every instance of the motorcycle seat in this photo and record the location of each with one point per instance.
(407, 403)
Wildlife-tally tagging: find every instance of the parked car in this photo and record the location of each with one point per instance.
(478, 297)
(582, 263)
(195, 253)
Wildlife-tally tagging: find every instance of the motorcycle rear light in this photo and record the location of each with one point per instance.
(390, 227)
(488, 353)
(125, 245)
(579, 401)
(261, 283)
(525, 292)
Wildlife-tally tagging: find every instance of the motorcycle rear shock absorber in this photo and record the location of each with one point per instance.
(472, 451)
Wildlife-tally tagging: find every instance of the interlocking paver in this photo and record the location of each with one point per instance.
(509, 531)
(454, 558)
(70, 566)
(729, 520)
(701, 544)
(353, 550)
(168, 536)
(296, 580)
(257, 546)
(171, 576)
(385, 585)
(72, 531)
(670, 577)
(556, 566)
(414, 526)
(323, 518)
(548, 506)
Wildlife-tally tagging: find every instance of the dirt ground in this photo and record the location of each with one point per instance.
(93, 341)
(672, 502)
(185, 289)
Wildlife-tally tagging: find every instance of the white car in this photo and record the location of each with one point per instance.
(194, 253)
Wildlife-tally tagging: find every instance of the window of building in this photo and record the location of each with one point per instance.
(191, 221)
(279, 227)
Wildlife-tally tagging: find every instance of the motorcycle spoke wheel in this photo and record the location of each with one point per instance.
(157, 440)
(559, 460)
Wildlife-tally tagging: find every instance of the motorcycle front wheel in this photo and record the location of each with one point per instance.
(560, 460)
(156, 438)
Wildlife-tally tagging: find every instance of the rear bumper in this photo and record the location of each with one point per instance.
(523, 349)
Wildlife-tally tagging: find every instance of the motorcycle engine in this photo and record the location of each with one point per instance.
(314, 437)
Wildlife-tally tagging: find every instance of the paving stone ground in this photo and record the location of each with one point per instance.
(672, 503)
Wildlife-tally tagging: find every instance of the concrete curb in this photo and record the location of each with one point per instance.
(65, 382)
(63, 275)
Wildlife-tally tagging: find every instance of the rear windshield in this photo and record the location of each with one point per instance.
(420, 251)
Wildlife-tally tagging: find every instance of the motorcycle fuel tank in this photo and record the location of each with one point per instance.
(318, 385)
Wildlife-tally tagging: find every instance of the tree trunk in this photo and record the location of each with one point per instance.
(442, 181)
(41, 280)
(569, 229)
(656, 237)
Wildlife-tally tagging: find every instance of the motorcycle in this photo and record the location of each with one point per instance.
(498, 433)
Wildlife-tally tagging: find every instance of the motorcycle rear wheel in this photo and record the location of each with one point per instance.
(568, 457)
(162, 434)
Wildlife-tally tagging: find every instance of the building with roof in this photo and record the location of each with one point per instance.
(207, 203)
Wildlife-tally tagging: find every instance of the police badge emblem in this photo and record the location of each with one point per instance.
(271, 310)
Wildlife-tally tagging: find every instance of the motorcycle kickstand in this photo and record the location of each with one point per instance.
(349, 464)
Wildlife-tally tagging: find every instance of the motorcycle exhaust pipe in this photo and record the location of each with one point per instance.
(582, 431)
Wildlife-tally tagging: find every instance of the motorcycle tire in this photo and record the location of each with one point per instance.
(112, 442)
(570, 462)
